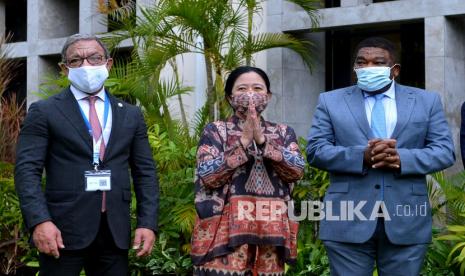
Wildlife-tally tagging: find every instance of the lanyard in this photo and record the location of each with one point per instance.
(96, 144)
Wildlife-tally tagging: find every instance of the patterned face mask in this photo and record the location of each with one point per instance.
(240, 103)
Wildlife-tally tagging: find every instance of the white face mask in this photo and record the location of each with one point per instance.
(88, 79)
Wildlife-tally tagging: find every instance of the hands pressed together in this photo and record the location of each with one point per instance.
(382, 153)
(251, 130)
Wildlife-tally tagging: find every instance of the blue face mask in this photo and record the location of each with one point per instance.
(373, 78)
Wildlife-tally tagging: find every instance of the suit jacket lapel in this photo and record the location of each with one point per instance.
(118, 113)
(405, 100)
(69, 107)
(356, 103)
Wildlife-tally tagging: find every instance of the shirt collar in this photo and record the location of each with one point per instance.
(390, 93)
(79, 95)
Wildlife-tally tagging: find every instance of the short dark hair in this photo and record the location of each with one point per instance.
(236, 73)
(378, 42)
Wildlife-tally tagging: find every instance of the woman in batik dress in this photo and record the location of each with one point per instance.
(246, 168)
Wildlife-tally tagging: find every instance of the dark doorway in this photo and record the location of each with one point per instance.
(408, 38)
(332, 3)
(16, 19)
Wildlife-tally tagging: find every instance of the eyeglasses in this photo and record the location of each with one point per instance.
(92, 60)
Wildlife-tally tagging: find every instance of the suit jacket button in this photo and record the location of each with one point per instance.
(377, 186)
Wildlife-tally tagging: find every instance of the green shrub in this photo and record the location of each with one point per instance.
(15, 251)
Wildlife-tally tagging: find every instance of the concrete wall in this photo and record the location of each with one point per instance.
(295, 89)
(351, 3)
(49, 22)
(445, 67)
(58, 18)
(444, 22)
(400, 10)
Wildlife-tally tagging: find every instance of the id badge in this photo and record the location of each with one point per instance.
(98, 180)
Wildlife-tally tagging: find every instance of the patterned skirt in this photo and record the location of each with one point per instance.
(245, 260)
(225, 234)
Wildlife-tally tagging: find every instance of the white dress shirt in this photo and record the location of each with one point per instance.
(390, 108)
(83, 102)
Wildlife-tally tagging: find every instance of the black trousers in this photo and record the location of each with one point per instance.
(102, 257)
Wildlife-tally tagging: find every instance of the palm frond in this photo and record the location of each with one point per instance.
(190, 15)
(311, 7)
(200, 120)
(252, 6)
(170, 88)
(153, 22)
(453, 191)
(266, 41)
(119, 11)
(7, 65)
(12, 113)
(184, 216)
(52, 84)
(233, 57)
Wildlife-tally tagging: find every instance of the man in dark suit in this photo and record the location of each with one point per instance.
(378, 140)
(87, 141)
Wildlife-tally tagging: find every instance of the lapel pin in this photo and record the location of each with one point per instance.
(120, 104)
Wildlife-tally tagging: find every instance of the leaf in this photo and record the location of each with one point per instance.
(311, 7)
(455, 248)
(451, 238)
(456, 228)
(266, 41)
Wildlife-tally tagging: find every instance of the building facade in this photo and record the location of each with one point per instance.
(429, 34)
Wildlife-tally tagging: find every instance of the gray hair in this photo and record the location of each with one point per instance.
(78, 37)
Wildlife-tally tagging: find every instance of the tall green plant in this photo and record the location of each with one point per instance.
(175, 158)
(11, 116)
(7, 65)
(447, 198)
(11, 111)
(311, 254)
(220, 30)
(14, 246)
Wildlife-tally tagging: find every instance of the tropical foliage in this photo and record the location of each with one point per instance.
(11, 111)
(447, 254)
(13, 240)
(222, 31)
(312, 259)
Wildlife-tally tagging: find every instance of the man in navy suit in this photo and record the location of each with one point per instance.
(378, 140)
(88, 142)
